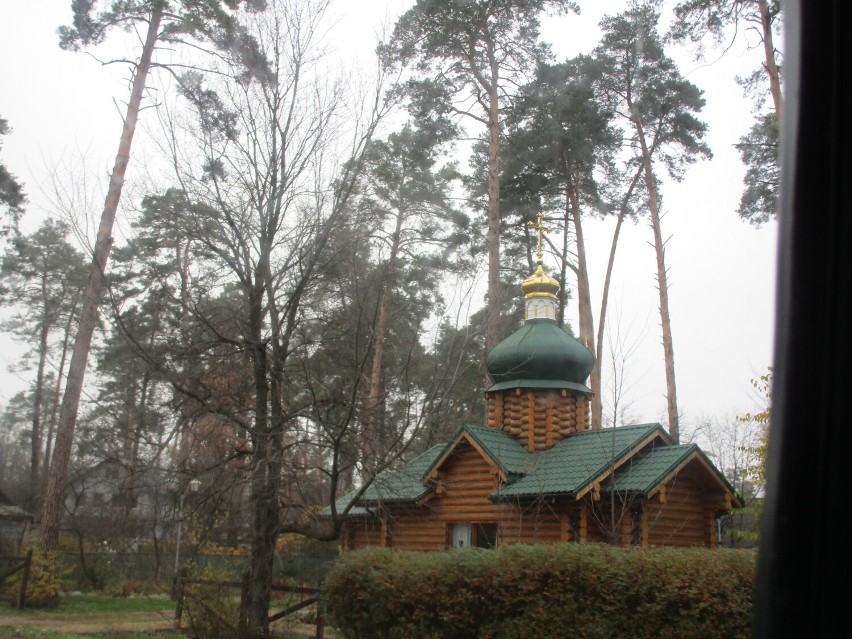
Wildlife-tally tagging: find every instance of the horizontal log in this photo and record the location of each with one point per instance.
(420, 541)
(675, 506)
(455, 501)
(479, 473)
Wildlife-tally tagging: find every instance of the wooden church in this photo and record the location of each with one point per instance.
(536, 473)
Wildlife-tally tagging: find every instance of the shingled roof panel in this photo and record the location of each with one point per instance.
(575, 462)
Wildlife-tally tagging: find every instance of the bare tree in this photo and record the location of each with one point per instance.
(268, 169)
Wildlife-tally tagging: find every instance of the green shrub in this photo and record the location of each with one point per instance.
(587, 591)
(46, 574)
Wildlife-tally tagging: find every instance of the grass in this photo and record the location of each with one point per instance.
(89, 611)
(95, 605)
(87, 616)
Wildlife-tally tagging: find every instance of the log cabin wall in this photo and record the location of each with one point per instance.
(678, 515)
(464, 484)
(537, 418)
(415, 529)
(537, 523)
(362, 532)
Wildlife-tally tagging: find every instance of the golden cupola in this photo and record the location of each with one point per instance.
(540, 295)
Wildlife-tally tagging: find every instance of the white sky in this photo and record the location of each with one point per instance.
(62, 106)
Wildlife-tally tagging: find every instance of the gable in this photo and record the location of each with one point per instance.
(650, 470)
(463, 485)
(501, 451)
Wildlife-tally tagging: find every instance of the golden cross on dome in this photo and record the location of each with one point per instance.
(539, 226)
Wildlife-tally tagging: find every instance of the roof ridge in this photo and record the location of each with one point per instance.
(628, 427)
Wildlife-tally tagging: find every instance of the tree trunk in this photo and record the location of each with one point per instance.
(55, 494)
(263, 482)
(492, 237)
(38, 395)
(182, 258)
(662, 284)
(584, 300)
(51, 424)
(372, 420)
(769, 55)
(595, 377)
(563, 270)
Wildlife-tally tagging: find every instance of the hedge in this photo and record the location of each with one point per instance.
(584, 591)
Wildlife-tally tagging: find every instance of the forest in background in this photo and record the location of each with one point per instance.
(294, 309)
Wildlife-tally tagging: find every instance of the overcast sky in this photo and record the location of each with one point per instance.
(63, 106)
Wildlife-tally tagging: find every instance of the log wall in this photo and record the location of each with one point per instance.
(678, 515)
(463, 487)
(538, 418)
(361, 532)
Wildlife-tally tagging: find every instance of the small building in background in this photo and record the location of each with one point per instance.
(15, 523)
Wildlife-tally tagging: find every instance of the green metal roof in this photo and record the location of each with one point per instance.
(404, 484)
(511, 458)
(575, 462)
(647, 471)
(393, 485)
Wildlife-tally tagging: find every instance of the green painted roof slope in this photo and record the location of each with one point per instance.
(572, 464)
(402, 484)
(393, 485)
(505, 450)
(540, 350)
(645, 472)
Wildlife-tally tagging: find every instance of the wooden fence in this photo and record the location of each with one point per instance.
(19, 563)
(182, 592)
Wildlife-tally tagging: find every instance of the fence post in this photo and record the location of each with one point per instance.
(244, 596)
(320, 619)
(25, 578)
(179, 586)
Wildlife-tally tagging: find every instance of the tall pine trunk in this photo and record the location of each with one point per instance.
(54, 407)
(492, 237)
(584, 300)
(595, 379)
(58, 476)
(769, 59)
(662, 283)
(38, 395)
(264, 481)
(373, 419)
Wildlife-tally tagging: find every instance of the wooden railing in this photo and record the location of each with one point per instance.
(19, 563)
(182, 592)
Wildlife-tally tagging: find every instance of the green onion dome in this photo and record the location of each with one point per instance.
(540, 354)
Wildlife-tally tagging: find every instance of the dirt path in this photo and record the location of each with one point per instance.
(126, 622)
